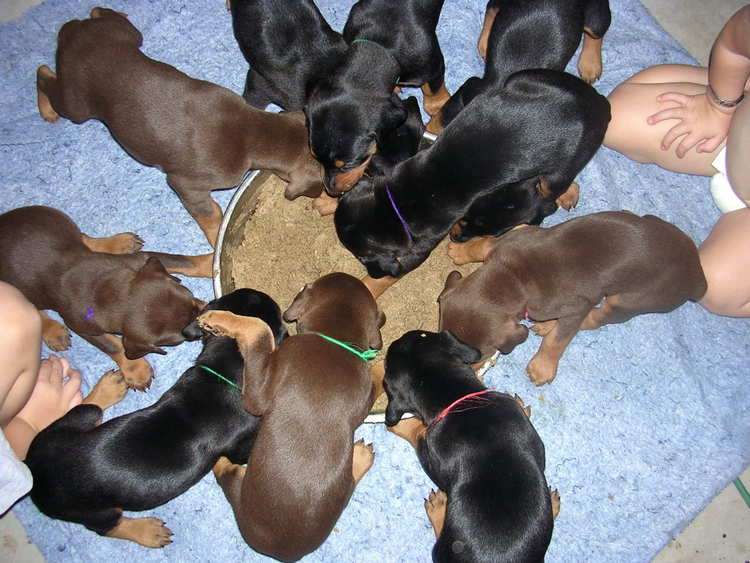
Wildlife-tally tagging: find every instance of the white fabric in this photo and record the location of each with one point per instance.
(724, 196)
(15, 477)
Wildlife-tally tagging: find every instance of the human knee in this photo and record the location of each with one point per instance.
(20, 320)
(722, 296)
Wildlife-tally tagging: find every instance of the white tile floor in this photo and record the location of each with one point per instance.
(722, 531)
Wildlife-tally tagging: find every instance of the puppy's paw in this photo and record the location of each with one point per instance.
(589, 69)
(543, 328)
(475, 250)
(148, 532)
(555, 498)
(56, 336)
(137, 374)
(220, 323)
(125, 243)
(524, 408)
(109, 390)
(569, 198)
(325, 204)
(435, 505)
(540, 372)
(362, 458)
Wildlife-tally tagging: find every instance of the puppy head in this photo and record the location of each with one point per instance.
(368, 227)
(337, 292)
(246, 302)
(158, 308)
(415, 361)
(346, 127)
(514, 204)
(485, 325)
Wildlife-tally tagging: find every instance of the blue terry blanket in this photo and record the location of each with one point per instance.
(645, 423)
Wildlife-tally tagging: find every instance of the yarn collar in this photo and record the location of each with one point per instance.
(467, 402)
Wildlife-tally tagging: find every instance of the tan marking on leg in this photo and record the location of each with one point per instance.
(597, 317)
(435, 124)
(377, 373)
(109, 390)
(201, 266)
(524, 408)
(555, 498)
(210, 224)
(474, 250)
(569, 198)
(44, 76)
(362, 458)
(122, 243)
(590, 61)
(433, 101)
(223, 467)
(489, 19)
(148, 532)
(410, 429)
(378, 286)
(543, 328)
(325, 204)
(543, 366)
(245, 330)
(137, 373)
(435, 505)
(55, 334)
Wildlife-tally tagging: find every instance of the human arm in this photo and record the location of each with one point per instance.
(703, 121)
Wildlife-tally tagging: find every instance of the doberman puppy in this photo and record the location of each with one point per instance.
(351, 110)
(314, 391)
(99, 286)
(204, 137)
(89, 473)
(493, 503)
(532, 34)
(532, 139)
(579, 275)
(289, 47)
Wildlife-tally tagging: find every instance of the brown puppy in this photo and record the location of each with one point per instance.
(312, 395)
(587, 272)
(203, 136)
(99, 286)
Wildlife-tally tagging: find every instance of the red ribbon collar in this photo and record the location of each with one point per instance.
(473, 405)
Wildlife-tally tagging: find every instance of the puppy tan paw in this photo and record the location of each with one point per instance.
(109, 390)
(555, 498)
(543, 328)
(148, 532)
(524, 408)
(362, 458)
(137, 374)
(540, 372)
(56, 336)
(325, 204)
(569, 198)
(435, 505)
(220, 323)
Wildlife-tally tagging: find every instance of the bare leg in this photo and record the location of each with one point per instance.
(362, 458)
(634, 101)
(123, 243)
(435, 505)
(148, 532)
(725, 257)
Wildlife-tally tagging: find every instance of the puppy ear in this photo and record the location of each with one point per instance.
(450, 283)
(297, 306)
(455, 347)
(135, 349)
(394, 114)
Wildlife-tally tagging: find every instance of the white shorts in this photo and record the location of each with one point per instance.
(15, 477)
(721, 190)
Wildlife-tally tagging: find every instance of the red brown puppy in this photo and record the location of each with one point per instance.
(101, 287)
(579, 275)
(312, 393)
(204, 137)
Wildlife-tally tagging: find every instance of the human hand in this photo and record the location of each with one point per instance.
(57, 390)
(701, 124)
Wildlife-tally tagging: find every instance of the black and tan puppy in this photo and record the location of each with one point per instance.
(350, 111)
(524, 34)
(587, 272)
(89, 473)
(493, 503)
(532, 138)
(289, 46)
(101, 287)
(313, 393)
(204, 137)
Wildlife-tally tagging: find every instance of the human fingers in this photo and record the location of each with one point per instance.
(669, 113)
(674, 133)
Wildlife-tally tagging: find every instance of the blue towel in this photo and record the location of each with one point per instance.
(644, 424)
